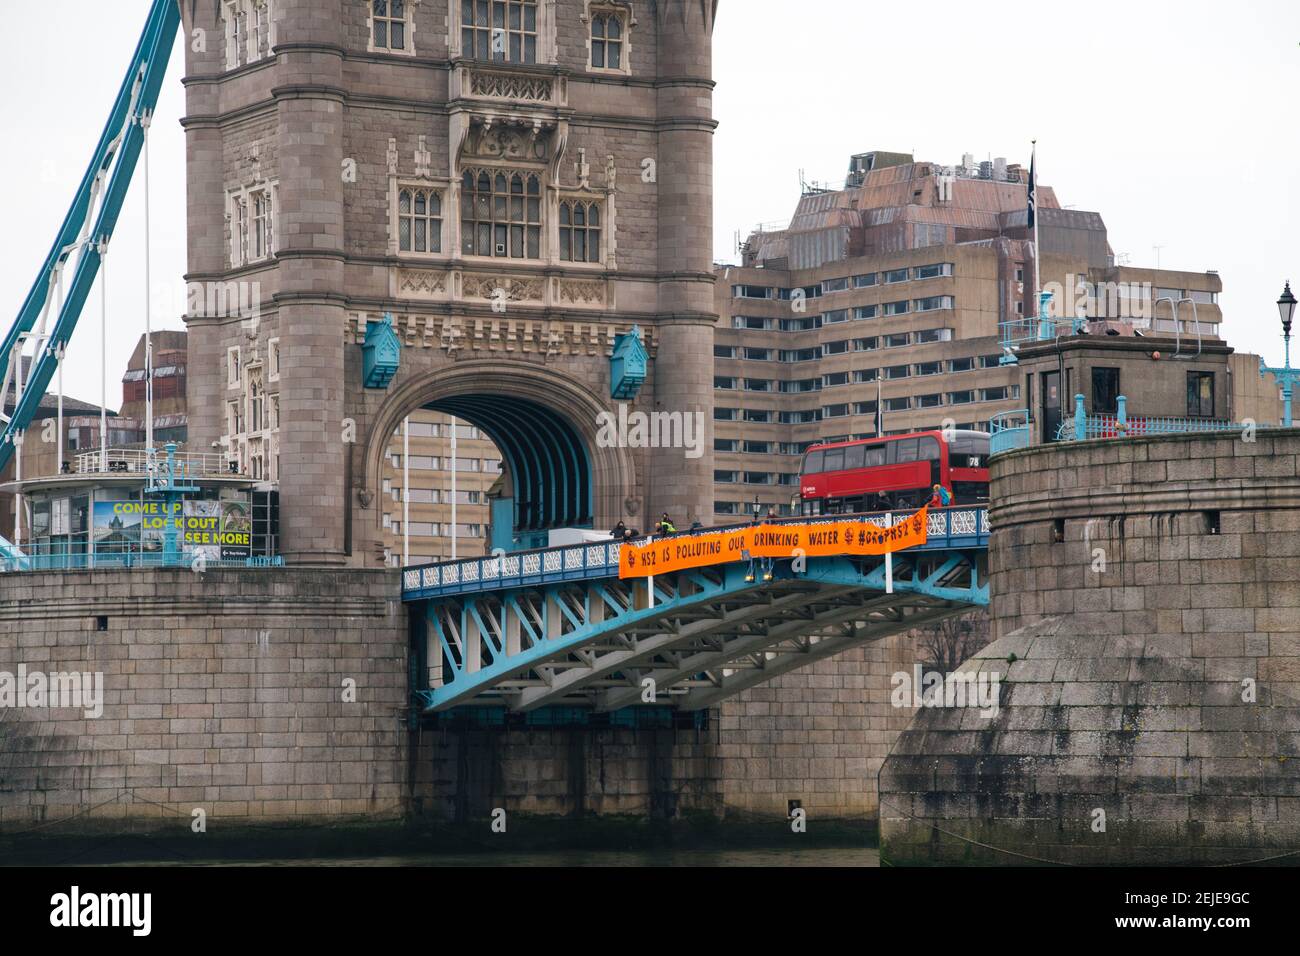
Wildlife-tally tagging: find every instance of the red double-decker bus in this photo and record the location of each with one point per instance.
(895, 472)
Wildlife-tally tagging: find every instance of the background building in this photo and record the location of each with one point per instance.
(423, 510)
(898, 288)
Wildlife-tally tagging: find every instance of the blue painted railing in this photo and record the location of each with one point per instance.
(1121, 425)
(957, 528)
(1009, 430)
(50, 560)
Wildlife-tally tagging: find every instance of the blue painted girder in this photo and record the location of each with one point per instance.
(689, 595)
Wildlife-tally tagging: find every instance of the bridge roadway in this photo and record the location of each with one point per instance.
(558, 626)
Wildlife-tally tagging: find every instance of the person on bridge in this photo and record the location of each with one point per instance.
(665, 525)
(617, 532)
(940, 499)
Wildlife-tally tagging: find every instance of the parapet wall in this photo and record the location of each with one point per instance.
(270, 694)
(1146, 616)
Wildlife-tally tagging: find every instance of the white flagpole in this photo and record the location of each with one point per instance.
(406, 491)
(1033, 166)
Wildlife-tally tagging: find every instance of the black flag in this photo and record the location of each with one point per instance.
(1033, 189)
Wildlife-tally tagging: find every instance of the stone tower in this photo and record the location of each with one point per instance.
(517, 182)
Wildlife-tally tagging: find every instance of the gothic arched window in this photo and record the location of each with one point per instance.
(501, 213)
(501, 30)
(607, 41)
(419, 220)
(579, 231)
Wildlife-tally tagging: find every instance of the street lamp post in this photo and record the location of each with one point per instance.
(1286, 376)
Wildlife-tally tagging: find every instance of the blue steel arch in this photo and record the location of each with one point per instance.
(549, 464)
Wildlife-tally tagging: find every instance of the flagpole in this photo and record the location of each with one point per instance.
(1033, 199)
(880, 407)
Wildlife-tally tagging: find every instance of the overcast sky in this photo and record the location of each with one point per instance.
(1171, 119)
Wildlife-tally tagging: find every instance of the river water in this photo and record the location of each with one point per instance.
(838, 856)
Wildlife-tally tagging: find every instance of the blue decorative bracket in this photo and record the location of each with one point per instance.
(628, 364)
(382, 352)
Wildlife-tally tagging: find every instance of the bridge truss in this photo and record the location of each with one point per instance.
(559, 627)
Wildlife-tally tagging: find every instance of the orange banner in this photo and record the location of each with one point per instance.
(819, 540)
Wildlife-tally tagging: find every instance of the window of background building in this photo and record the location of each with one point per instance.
(865, 344)
(961, 364)
(897, 371)
(726, 444)
(758, 416)
(933, 303)
(831, 379)
(835, 411)
(1105, 390)
(866, 312)
(799, 325)
(725, 477)
(723, 381)
(758, 355)
(896, 308)
(961, 398)
(933, 271)
(834, 285)
(898, 404)
(896, 275)
(862, 282)
(838, 347)
(929, 401)
(724, 414)
(1200, 394)
(726, 507)
(835, 315)
(898, 340)
(724, 351)
(929, 368)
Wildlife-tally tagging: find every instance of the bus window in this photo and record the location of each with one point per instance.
(834, 460)
(929, 449)
(853, 456)
(905, 450)
(874, 456)
(812, 462)
(968, 450)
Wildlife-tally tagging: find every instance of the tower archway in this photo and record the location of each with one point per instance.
(545, 427)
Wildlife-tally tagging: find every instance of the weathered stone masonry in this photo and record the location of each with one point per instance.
(223, 692)
(1130, 650)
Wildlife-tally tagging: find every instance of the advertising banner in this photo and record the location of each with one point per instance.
(121, 527)
(813, 540)
(218, 529)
